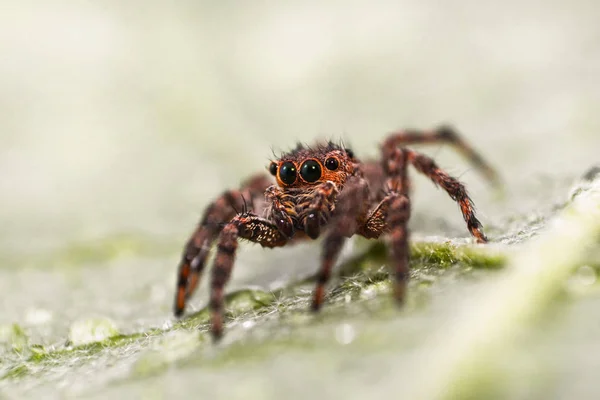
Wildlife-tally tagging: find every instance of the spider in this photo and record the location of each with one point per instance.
(323, 190)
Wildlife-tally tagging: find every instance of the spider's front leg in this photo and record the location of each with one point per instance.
(245, 226)
(198, 246)
(350, 210)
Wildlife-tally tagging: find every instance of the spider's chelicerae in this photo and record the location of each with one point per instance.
(323, 190)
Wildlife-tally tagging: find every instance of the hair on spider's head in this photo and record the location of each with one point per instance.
(303, 151)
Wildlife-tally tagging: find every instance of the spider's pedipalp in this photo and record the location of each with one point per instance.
(317, 208)
(281, 210)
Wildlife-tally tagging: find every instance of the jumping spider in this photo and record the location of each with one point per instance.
(323, 189)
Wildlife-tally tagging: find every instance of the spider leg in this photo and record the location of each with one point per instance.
(198, 246)
(351, 208)
(245, 226)
(396, 185)
(444, 134)
(392, 215)
(453, 187)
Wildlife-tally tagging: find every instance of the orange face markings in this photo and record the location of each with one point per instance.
(306, 167)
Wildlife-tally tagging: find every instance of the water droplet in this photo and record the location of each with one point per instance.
(585, 275)
(92, 330)
(248, 324)
(368, 293)
(581, 280)
(345, 333)
(38, 316)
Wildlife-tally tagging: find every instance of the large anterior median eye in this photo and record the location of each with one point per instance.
(287, 173)
(310, 171)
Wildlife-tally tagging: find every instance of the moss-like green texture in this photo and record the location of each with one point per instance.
(361, 278)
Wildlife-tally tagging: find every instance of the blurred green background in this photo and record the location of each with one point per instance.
(119, 121)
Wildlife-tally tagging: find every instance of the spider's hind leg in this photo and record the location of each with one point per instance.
(444, 134)
(453, 187)
(198, 246)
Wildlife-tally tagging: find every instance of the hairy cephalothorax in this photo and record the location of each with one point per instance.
(323, 190)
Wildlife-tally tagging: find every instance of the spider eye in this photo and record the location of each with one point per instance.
(273, 168)
(310, 171)
(287, 173)
(350, 153)
(332, 164)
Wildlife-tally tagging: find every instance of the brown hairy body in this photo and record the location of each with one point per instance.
(323, 190)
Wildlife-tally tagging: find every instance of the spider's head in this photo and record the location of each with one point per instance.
(305, 167)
